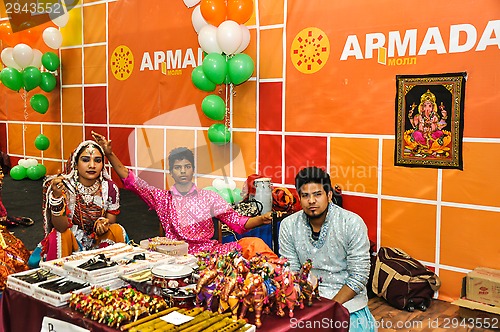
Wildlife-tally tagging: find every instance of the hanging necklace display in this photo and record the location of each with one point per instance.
(87, 193)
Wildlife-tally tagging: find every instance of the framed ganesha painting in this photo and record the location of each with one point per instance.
(429, 120)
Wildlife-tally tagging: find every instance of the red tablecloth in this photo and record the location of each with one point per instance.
(23, 313)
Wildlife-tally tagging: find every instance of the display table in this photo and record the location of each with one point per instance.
(20, 312)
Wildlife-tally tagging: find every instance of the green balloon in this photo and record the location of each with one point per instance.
(18, 172)
(39, 103)
(237, 195)
(201, 81)
(32, 173)
(42, 142)
(31, 78)
(213, 107)
(227, 195)
(219, 134)
(42, 170)
(48, 82)
(12, 78)
(215, 68)
(211, 188)
(50, 61)
(240, 68)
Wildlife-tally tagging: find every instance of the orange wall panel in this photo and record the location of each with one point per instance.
(451, 284)
(71, 64)
(72, 110)
(354, 164)
(15, 143)
(150, 148)
(406, 181)
(476, 184)
(30, 134)
(244, 105)
(53, 132)
(94, 28)
(72, 136)
(271, 12)
(410, 227)
(469, 238)
(271, 53)
(244, 149)
(95, 65)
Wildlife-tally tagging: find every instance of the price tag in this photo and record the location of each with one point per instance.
(56, 325)
(176, 318)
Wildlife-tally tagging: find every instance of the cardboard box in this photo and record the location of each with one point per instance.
(476, 310)
(483, 285)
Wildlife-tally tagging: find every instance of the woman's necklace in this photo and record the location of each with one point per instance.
(87, 193)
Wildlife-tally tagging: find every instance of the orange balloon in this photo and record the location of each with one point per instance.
(239, 11)
(6, 34)
(213, 11)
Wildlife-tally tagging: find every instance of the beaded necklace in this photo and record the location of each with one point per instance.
(87, 193)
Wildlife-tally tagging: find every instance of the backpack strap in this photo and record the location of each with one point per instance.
(391, 273)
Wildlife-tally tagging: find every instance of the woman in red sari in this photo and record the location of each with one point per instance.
(80, 207)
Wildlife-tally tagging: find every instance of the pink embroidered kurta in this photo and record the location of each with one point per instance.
(189, 217)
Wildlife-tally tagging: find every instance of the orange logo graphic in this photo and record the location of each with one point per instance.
(310, 50)
(122, 62)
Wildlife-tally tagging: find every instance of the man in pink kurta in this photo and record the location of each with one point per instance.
(188, 217)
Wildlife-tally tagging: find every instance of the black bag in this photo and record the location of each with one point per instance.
(5, 162)
(248, 207)
(403, 281)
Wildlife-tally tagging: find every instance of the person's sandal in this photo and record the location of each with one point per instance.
(24, 221)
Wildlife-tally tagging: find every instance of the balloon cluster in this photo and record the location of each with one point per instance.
(222, 35)
(226, 188)
(23, 63)
(28, 168)
(22, 68)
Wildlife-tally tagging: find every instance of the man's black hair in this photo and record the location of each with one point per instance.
(180, 154)
(313, 175)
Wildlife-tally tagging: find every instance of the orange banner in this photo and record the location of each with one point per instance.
(153, 48)
(343, 62)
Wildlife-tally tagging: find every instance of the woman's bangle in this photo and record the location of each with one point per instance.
(57, 206)
(55, 201)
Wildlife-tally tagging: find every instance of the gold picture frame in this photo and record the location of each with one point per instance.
(429, 120)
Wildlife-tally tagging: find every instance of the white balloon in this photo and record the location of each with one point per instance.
(8, 59)
(31, 162)
(23, 55)
(52, 37)
(229, 36)
(191, 3)
(225, 183)
(231, 184)
(37, 58)
(245, 40)
(197, 19)
(208, 39)
(59, 19)
(23, 162)
(219, 184)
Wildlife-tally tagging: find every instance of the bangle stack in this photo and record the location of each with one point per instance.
(57, 206)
